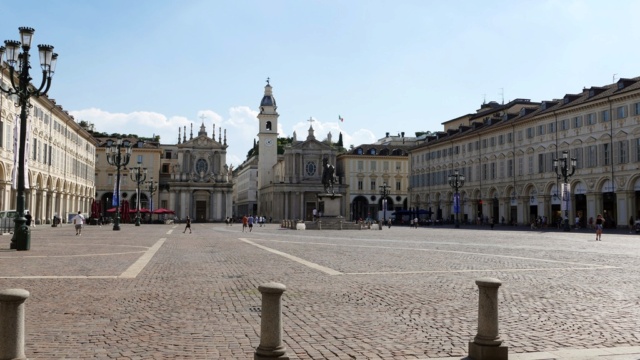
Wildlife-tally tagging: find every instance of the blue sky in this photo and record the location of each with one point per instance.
(151, 66)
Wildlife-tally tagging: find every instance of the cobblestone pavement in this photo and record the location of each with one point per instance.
(152, 292)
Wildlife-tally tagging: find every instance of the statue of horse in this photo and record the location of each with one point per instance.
(327, 176)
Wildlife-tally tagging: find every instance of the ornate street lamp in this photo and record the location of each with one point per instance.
(456, 181)
(116, 158)
(566, 169)
(153, 186)
(20, 86)
(384, 192)
(138, 175)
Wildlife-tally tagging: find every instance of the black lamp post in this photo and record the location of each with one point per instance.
(566, 169)
(153, 186)
(138, 175)
(116, 158)
(456, 181)
(20, 86)
(384, 191)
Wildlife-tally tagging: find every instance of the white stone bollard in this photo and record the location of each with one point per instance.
(487, 344)
(271, 346)
(12, 323)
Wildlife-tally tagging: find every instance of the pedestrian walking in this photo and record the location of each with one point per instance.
(415, 222)
(188, 225)
(250, 221)
(599, 227)
(245, 222)
(27, 216)
(78, 221)
(491, 222)
(389, 223)
(577, 222)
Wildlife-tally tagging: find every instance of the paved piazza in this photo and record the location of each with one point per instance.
(152, 292)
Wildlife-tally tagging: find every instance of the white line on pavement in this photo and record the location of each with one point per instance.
(169, 232)
(137, 266)
(439, 250)
(295, 258)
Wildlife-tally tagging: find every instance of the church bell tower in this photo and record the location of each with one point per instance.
(267, 137)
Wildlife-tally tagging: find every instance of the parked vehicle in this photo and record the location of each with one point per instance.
(7, 218)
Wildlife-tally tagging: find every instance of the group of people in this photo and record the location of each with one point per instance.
(248, 221)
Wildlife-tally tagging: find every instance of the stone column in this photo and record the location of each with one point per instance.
(271, 346)
(487, 343)
(12, 323)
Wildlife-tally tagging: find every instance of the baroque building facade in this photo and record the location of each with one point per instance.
(289, 183)
(195, 179)
(506, 153)
(61, 159)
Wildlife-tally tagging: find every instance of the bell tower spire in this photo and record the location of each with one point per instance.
(267, 137)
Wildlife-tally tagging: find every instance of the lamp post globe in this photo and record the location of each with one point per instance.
(20, 86)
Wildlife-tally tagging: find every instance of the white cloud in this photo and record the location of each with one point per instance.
(241, 127)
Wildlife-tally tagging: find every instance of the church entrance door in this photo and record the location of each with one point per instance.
(201, 211)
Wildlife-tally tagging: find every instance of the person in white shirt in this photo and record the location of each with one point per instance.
(78, 220)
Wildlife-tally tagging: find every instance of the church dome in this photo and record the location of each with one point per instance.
(268, 100)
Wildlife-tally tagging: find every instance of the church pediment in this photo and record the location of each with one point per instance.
(201, 142)
(312, 145)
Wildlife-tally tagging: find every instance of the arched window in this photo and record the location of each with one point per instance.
(359, 151)
(372, 151)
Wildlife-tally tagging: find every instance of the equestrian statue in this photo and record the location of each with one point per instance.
(327, 176)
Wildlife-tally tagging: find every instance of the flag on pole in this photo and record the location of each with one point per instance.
(340, 117)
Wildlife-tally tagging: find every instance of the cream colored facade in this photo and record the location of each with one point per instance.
(366, 168)
(61, 160)
(506, 153)
(146, 156)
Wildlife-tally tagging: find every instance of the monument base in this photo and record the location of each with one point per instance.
(329, 205)
(484, 352)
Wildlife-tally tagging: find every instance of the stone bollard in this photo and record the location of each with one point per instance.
(271, 346)
(487, 344)
(12, 323)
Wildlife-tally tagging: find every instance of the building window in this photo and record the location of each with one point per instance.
(360, 165)
(577, 122)
(373, 165)
(636, 108)
(540, 163)
(637, 143)
(398, 185)
(591, 119)
(500, 139)
(564, 124)
(521, 166)
(605, 116)
(509, 138)
(167, 154)
(621, 112)
(531, 164)
(510, 168)
(110, 179)
(360, 186)
(552, 128)
(592, 160)
(623, 152)
(165, 168)
(492, 141)
(540, 130)
(385, 166)
(530, 133)
(606, 153)
(484, 171)
(493, 170)
(398, 166)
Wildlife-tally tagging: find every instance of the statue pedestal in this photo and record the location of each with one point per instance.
(329, 204)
